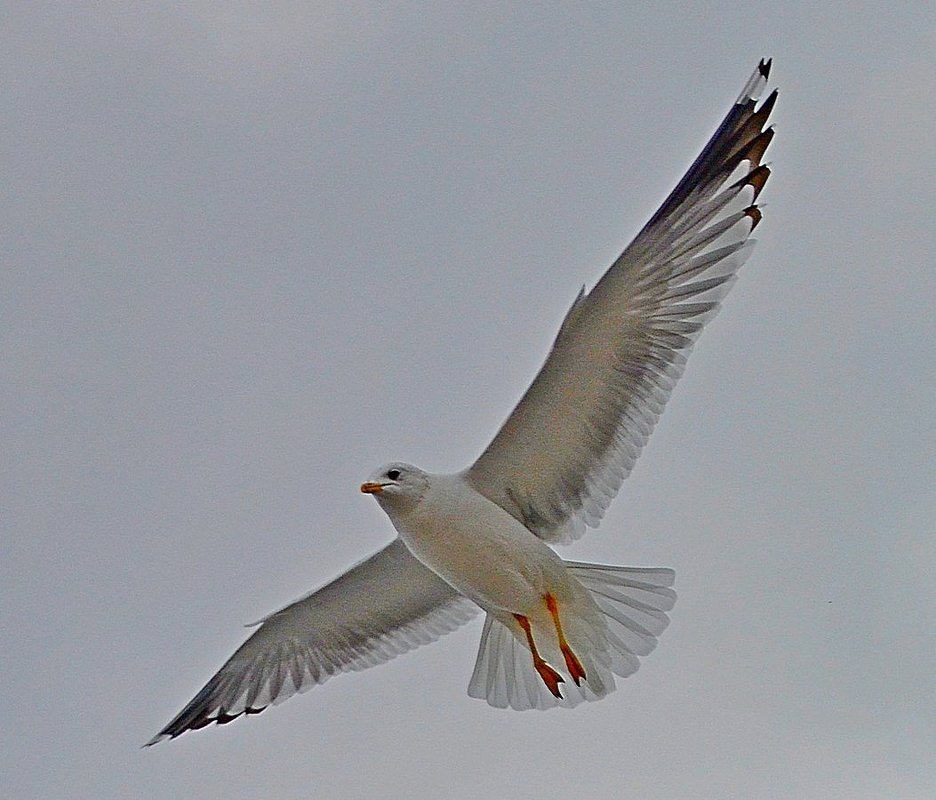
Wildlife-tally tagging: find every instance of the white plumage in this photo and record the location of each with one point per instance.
(556, 632)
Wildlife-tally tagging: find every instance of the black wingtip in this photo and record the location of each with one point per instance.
(755, 215)
(757, 178)
(196, 721)
(767, 106)
(764, 67)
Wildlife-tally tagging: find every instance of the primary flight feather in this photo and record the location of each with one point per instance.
(556, 632)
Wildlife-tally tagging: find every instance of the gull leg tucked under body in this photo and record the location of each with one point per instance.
(550, 677)
(573, 665)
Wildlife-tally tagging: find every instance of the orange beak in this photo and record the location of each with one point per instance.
(371, 488)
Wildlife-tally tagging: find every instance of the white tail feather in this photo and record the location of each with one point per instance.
(633, 603)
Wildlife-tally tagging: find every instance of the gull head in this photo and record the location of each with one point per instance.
(397, 484)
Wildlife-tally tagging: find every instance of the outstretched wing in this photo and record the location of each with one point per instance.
(382, 607)
(562, 454)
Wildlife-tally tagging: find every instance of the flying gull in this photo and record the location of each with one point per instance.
(555, 632)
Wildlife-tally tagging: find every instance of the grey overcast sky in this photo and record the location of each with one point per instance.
(253, 250)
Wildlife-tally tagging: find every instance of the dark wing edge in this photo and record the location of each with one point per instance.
(382, 607)
(740, 137)
(650, 307)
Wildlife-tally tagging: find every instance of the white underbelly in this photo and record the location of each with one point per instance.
(486, 555)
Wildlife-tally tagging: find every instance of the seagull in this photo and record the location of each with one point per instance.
(556, 632)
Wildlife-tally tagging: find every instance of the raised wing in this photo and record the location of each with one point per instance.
(382, 607)
(564, 451)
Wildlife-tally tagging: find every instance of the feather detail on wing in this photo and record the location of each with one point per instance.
(382, 607)
(561, 456)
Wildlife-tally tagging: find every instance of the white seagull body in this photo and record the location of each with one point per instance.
(556, 632)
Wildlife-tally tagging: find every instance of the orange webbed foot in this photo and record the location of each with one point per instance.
(573, 665)
(550, 677)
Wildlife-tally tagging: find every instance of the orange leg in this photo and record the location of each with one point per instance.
(550, 677)
(576, 671)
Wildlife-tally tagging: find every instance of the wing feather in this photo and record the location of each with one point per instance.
(382, 607)
(562, 454)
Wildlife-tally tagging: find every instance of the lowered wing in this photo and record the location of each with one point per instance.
(382, 607)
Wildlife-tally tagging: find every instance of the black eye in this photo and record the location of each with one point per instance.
(393, 474)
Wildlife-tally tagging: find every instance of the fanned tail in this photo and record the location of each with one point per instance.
(631, 605)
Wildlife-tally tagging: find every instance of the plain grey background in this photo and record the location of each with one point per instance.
(253, 250)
